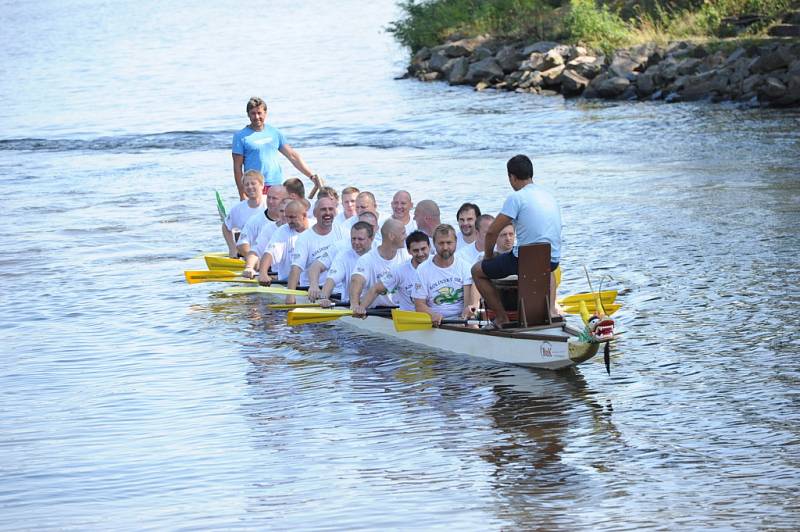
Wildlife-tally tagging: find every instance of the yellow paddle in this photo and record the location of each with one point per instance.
(276, 290)
(606, 296)
(224, 263)
(408, 320)
(609, 308)
(224, 276)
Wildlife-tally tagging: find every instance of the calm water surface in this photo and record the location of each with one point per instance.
(130, 400)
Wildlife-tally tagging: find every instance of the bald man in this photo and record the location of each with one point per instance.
(401, 210)
(427, 216)
(377, 264)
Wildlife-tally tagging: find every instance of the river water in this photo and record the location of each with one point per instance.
(130, 400)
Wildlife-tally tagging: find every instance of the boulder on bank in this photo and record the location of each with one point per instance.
(769, 74)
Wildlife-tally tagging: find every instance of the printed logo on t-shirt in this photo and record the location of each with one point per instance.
(446, 295)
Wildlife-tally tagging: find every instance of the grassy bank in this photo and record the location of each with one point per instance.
(604, 25)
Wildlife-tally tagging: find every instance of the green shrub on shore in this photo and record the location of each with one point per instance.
(599, 24)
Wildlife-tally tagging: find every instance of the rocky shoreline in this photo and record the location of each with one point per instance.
(755, 75)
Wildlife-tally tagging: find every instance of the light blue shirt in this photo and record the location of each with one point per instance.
(260, 151)
(537, 218)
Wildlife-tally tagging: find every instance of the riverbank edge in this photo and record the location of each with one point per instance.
(753, 74)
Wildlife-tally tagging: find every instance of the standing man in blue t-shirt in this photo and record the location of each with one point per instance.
(536, 217)
(256, 147)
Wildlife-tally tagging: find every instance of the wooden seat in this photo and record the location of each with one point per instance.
(534, 284)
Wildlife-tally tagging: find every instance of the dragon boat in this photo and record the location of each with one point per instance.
(535, 340)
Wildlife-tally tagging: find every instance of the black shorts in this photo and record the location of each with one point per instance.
(505, 264)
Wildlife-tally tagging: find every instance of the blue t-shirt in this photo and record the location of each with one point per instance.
(537, 218)
(260, 151)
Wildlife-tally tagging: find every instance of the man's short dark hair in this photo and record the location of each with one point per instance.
(295, 186)
(255, 101)
(482, 218)
(466, 207)
(417, 236)
(328, 192)
(365, 226)
(520, 167)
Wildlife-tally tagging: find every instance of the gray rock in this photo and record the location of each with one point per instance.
(422, 55)
(550, 77)
(552, 59)
(531, 79)
(535, 61)
(481, 86)
(430, 76)
(437, 61)
(785, 30)
(779, 58)
(547, 92)
(509, 58)
(415, 69)
(484, 70)
(463, 47)
(751, 84)
(736, 55)
(456, 70)
(792, 95)
(586, 66)
(613, 87)
(645, 84)
(771, 89)
(701, 86)
(792, 17)
(572, 83)
(539, 47)
(794, 68)
(688, 66)
(481, 53)
(623, 65)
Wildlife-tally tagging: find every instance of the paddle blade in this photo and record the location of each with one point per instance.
(406, 320)
(302, 316)
(209, 276)
(609, 309)
(606, 296)
(274, 290)
(224, 263)
(220, 207)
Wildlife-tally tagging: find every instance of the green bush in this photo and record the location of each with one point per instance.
(596, 26)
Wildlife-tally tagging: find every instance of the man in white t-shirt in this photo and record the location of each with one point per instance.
(347, 216)
(471, 253)
(427, 216)
(263, 239)
(402, 279)
(252, 229)
(278, 251)
(401, 210)
(466, 217)
(372, 266)
(536, 217)
(253, 183)
(311, 244)
(340, 269)
(443, 288)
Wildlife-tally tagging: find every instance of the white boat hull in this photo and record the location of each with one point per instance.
(550, 348)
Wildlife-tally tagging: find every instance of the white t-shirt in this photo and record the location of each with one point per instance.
(372, 267)
(345, 223)
(340, 271)
(309, 246)
(460, 242)
(469, 253)
(537, 218)
(281, 247)
(241, 212)
(400, 281)
(259, 246)
(253, 228)
(443, 288)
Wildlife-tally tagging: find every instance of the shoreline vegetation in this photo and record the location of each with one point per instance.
(746, 51)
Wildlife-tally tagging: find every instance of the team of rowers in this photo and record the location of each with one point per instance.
(409, 259)
(369, 260)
